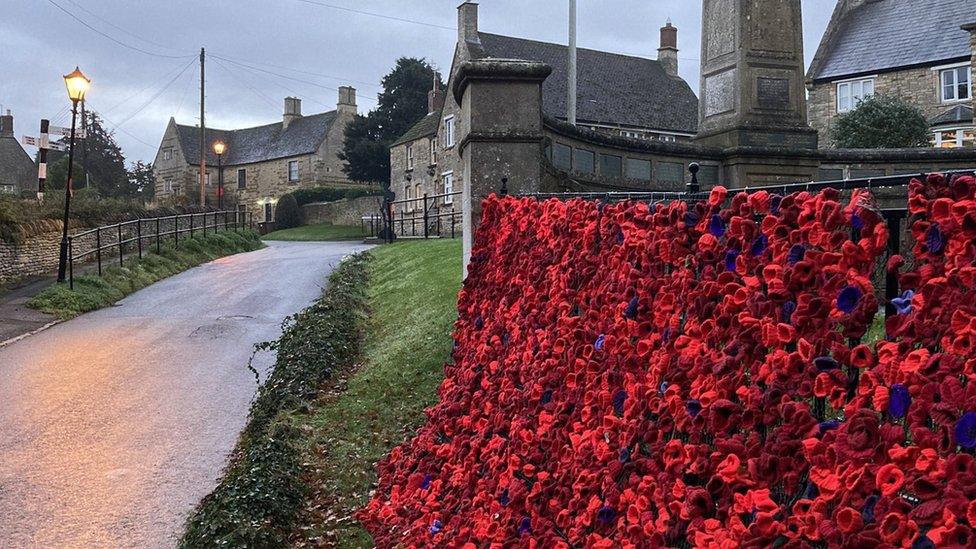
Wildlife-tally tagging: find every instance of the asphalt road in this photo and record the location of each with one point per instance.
(115, 424)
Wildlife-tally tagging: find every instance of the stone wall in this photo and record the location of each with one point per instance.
(37, 255)
(919, 86)
(341, 212)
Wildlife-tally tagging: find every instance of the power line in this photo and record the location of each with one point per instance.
(117, 127)
(143, 90)
(112, 38)
(154, 97)
(379, 15)
(300, 71)
(244, 83)
(279, 75)
(119, 28)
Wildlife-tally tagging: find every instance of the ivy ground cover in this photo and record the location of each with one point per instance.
(636, 375)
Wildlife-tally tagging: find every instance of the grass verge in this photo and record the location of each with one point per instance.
(412, 296)
(93, 292)
(312, 233)
(262, 490)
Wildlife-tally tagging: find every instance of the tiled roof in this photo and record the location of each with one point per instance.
(425, 128)
(614, 89)
(960, 114)
(16, 166)
(250, 145)
(883, 35)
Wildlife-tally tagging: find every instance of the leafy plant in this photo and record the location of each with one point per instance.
(881, 122)
(288, 214)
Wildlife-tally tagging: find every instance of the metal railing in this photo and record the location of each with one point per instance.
(112, 240)
(415, 218)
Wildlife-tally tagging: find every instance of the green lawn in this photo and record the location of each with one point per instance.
(412, 295)
(311, 233)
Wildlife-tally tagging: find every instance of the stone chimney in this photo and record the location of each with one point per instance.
(468, 22)
(7, 125)
(436, 96)
(667, 54)
(293, 110)
(347, 100)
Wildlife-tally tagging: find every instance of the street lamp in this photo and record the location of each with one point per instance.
(77, 84)
(220, 147)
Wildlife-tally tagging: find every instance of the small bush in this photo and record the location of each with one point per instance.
(881, 122)
(288, 214)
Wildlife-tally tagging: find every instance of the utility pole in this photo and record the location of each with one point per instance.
(571, 103)
(203, 128)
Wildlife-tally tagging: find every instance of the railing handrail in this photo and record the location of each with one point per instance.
(144, 219)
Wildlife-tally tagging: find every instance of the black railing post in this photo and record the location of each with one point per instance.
(158, 243)
(426, 218)
(121, 264)
(694, 187)
(176, 231)
(191, 225)
(893, 218)
(504, 190)
(139, 236)
(71, 263)
(98, 249)
(453, 222)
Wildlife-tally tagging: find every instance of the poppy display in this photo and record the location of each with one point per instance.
(693, 374)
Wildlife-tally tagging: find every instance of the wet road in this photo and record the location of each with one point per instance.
(115, 424)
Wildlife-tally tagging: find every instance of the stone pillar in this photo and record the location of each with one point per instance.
(753, 95)
(501, 117)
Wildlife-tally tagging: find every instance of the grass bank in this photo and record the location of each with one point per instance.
(412, 296)
(262, 490)
(312, 233)
(93, 292)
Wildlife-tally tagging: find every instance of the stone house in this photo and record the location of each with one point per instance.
(619, 96)
(921, 52)
(17, 170)
(262, 163)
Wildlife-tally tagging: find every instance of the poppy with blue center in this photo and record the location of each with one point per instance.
(786, 312)
(759, 246)
(867, 511)
(797, 253)
(436, 527)
(666, 334)
(966, 431)
(716, 226)
(525, 526)
(620, 236)
(903, 304)
(479, 322)
(857, 222)
(625, 455)
(663, 387)
(774, 203)
(618, 401)
(825, 363)
(600, 341)
(898, 401)
(631, 311)
(503, 499)
(606, 515)
(694, 407)
(691, 219)
(426, 483)
(546, 397)
(730, 258)
(848, 299)
(935, 239)
(828, 425)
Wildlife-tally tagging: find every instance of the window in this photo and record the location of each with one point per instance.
(268, 212)
(167, 154)
(849, 94)
(639, 169)
(241, 178)
(208, 179)
(292, 170)
(419, 193)
(955, 84)
(667, 138)
(955, 137)
(562, 156)
(409, 157)
(448, 179)
(407, 206)
(433, 152)
(449, 132)
(632, 134)
(610, 165)
(168, 186)
(584, 161)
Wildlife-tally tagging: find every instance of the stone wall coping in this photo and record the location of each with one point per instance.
(498, 69)
(628, 144)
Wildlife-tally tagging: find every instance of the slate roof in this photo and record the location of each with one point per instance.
(960, 114)
(883, 35)
(426, 127)
(16, 166)
(261, 144)
(614, 89)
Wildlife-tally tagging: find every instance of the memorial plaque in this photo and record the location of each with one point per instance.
(720, 93)
(773, 93)
(670, 172)
(771, 26)
(720, 30)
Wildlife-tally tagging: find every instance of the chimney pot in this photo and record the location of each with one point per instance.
(7, 125)
(293, 110)
(667, 54)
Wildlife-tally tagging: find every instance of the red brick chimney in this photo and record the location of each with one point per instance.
(436, 96)
(667, 54)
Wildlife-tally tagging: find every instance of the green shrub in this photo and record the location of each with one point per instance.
(288, 214)
(881, 122)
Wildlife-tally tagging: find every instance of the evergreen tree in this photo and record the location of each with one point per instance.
(102, 157)
(881, 122)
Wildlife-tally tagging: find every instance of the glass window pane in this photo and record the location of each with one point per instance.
(868, 88)
(584, 161)
(639, 169)
(562, 157)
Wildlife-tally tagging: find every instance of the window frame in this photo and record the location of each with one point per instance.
(449, 131)
(960, 139)
(955, 71)
(168, 153)
(410, 156)
(297, 174)
(853, 98)
(241, 178)
(448, 189)
(433, 152)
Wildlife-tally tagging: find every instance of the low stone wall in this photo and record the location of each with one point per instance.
(341, 212)
(37, 254)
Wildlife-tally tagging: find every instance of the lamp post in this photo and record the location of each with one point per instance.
(77, 84)
(220, 148)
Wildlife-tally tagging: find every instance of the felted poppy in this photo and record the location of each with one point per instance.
(899, 401)
(716, 226)
(903, 304)
(965, 431)
(849, 298)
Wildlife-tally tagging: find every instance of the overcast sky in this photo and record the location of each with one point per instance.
(293, 47)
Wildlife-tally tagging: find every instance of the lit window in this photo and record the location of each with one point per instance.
(849, 94)
(409, 157)
(955, 84)
(241, 178)
(951, 138)
(293, 170)
(449, 132)
(448, 179)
